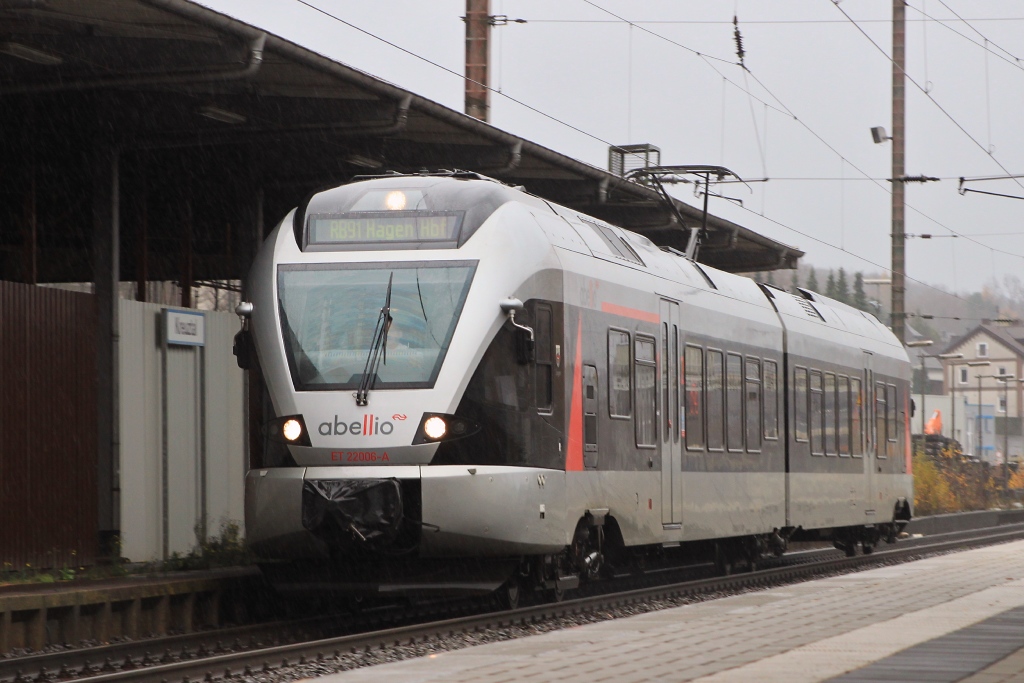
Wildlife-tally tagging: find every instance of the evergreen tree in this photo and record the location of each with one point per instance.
(860, 299)
(795, 282)
(842, 287)
(812, 281)
(830, 285)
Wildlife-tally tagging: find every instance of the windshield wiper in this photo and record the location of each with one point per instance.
(378, 349)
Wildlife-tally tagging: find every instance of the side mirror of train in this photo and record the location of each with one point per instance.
(526, 348)
(243, 350)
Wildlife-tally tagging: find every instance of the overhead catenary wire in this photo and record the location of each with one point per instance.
(781, 107)
(764, 192)
(967, 23)
(924, 47)
(988, 103)
(1015, 61)
(855, 255)
(454, 73)
(740, 53)
(785, 109)
(655, 22)
(707, 59)
(927, 94)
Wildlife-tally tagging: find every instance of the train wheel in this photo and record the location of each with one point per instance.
(510, 594)
(867, 548)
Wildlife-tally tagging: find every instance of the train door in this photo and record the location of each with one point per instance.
(870, 436)
(590, 394)
(671, 445)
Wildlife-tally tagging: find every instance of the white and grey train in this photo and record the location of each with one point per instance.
(473, 387)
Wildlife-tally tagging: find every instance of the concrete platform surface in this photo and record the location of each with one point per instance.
(949, 618)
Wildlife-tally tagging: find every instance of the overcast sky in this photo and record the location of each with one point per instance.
(801, 116)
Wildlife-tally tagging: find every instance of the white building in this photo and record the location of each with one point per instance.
(984, 390)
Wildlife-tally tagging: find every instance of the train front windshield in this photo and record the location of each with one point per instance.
(329, 313)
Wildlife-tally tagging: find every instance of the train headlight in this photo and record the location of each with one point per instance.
(292, 430)
(435, 427)
(289, 429)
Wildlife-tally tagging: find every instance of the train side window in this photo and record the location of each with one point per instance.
(716, 400)
(880, 422)
(693, 367)
(619, 375)
(646, 399)
(544, 365)
(817, 413)
(734, 401)
(771, 400)
(753, 407)
(800, 404)
(830, 414)
(843, 396)
(890, 413)
(856, 417)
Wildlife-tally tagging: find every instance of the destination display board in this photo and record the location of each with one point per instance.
(385, 226)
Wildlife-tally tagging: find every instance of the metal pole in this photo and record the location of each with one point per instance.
(187, 274)
(952, 396)
(165, 504)
(898, 186)
(203, 508)
(704, 219)
(922, 398)
(978, 454)
(1006, 435)
(142, 241)
(478, 31)
(106, 276)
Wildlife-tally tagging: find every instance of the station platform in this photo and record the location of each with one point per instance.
(957, 617)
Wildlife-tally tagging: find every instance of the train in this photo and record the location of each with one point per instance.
(469, 389)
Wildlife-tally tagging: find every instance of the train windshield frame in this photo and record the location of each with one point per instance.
(328, 313)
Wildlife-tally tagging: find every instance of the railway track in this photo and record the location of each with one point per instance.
(243, 652)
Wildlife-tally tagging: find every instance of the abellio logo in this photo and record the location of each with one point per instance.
(370, 426)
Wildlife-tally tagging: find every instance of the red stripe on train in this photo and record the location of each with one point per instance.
(574, 447)
(628, 312)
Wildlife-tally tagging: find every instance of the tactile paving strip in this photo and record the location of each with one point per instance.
(951, 657)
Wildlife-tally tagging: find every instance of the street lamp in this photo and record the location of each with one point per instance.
(1006, 432)
(981, 377)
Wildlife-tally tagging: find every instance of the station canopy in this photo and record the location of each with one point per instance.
(220, 128)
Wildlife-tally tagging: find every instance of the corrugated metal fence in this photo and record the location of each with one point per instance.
(182, 435)
(47, 427)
